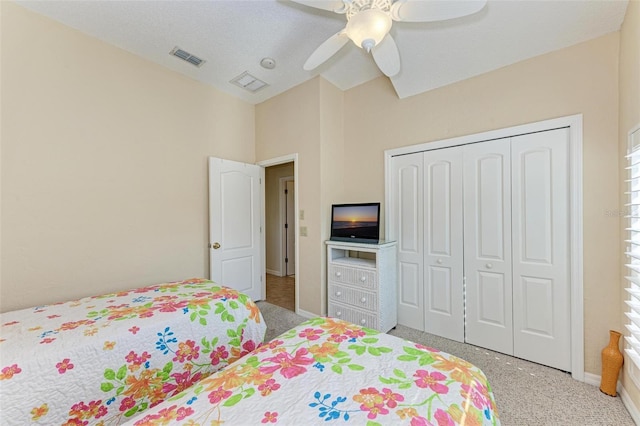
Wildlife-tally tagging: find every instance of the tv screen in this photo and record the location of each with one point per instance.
(358, 223)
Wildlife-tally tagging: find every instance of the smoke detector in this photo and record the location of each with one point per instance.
(268, 63)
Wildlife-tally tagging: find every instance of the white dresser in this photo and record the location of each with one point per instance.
(361, 283)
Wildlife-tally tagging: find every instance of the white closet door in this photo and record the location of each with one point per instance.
(407, 229)
(542, 321)
(443, 251)
(487, 245)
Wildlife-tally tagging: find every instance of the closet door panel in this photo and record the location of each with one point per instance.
(407, 229)
(540, 248)
(487, 245)
(490, 303)
(443, 259)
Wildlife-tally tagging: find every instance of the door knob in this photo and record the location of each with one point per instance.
(489, 266)
(215, 246)
(439, 261)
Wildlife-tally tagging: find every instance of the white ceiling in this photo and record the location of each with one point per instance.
(233, 36)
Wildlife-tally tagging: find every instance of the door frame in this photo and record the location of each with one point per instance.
(291, 158)
(282, 185)
(574, 123)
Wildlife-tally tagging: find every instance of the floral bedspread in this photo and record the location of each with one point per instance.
(331, 371)
(101, 360)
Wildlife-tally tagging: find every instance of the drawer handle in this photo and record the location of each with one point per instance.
(363, 278)
(338, 274)
(338, 314)
(363, 321)
(363, 300)
(338, 294)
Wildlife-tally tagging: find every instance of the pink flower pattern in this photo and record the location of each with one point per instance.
(425, 379)
(143, 378)
(270, 417)
(64, 365)
(289, 366)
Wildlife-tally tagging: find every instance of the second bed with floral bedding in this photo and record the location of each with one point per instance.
(331, 371)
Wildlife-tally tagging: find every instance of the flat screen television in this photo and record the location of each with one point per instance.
(357, 223)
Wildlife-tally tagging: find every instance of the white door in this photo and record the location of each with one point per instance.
(235, 224)
(407, 229)
(443, 250)
(290, 229)
(541, 289)
(487, 245)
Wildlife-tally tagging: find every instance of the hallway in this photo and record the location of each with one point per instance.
(281, 291)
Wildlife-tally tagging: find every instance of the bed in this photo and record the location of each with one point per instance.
(328, 370)
(101, 360)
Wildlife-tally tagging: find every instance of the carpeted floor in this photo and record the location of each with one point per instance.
(526, 393)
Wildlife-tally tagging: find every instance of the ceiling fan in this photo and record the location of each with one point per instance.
(369, 22)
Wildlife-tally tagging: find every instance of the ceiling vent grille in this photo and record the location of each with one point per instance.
(249, 82)
(186, 56)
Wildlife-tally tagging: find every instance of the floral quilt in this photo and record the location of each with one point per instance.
(101, 360)
(329, 371)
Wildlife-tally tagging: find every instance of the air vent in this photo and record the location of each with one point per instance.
(249, 82)
(186, 56)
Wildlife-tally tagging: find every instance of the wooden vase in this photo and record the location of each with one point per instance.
(612, 361)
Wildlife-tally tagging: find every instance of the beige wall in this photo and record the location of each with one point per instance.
(289, 124)
(579, 79)
(273, 240)
(629, 118)
(307, 120)
(332, 167)
(104, 176)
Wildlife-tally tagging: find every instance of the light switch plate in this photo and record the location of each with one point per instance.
(301, 214)
(303, 231)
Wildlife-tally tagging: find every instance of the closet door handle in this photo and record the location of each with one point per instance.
(338, 294)
(439, 261)
(363, 321)
(363, 300)
(338, 274)
(489, 266)
(338, 314)
(363, 278)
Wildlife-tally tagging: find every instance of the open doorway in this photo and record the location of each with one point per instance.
(280, 228)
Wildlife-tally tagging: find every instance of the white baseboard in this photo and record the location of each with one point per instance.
(274, 272)
(591, 379)
(306, 314)
(634, 411)
(632, 408)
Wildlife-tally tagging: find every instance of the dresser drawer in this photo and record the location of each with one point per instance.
(355, 316)
(348, 275)
(353, 297)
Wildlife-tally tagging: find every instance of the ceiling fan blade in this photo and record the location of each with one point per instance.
(387, 57)
(326, 50)
(433, 10)
(337, 6)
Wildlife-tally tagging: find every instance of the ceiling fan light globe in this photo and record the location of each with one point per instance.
(368, 27)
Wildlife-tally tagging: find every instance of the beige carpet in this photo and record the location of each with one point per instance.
(526, 393)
